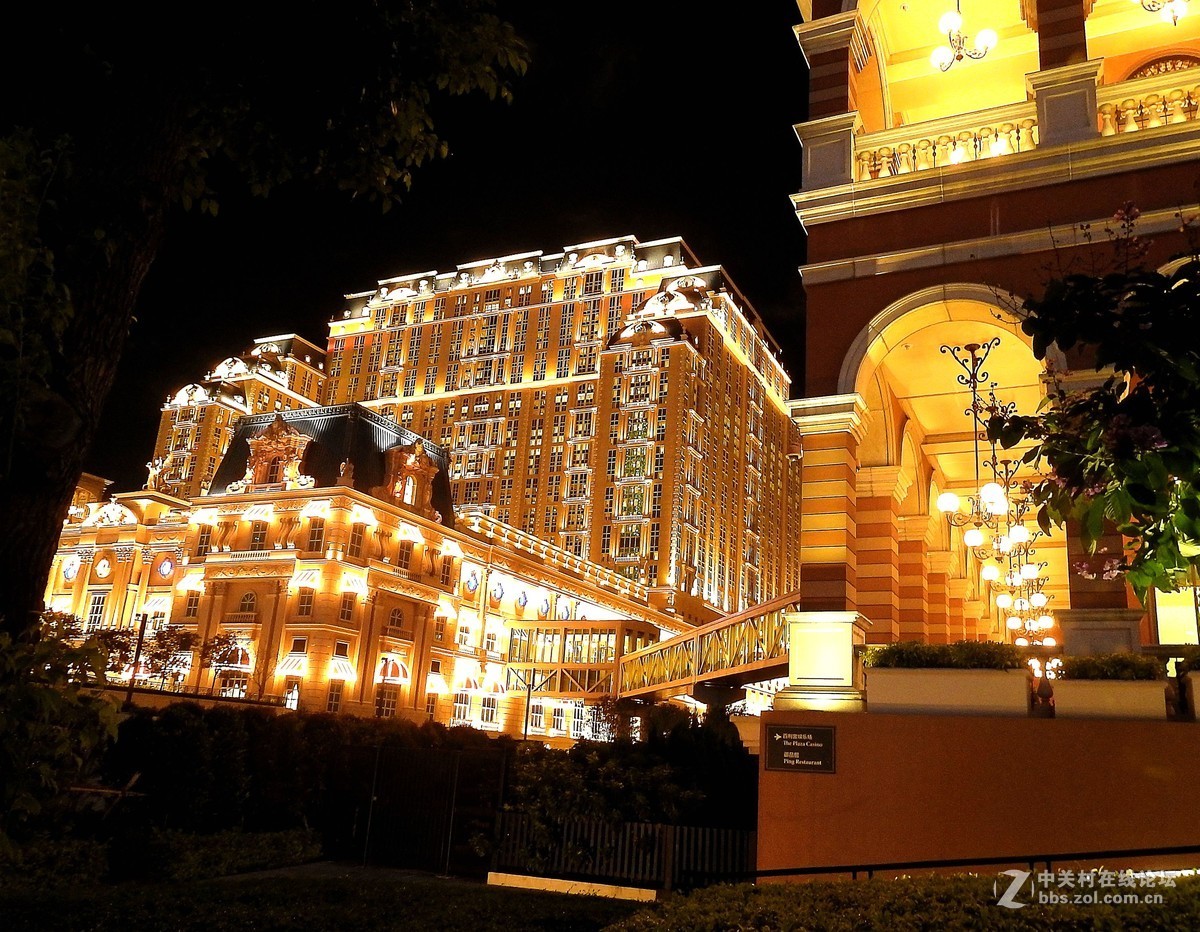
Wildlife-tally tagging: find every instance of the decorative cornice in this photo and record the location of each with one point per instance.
(830, 414)
(989, 247)
(841, 31)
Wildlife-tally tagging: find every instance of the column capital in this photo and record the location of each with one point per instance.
(913, 527)
(830, 414)
(940, 561)
(830, 33)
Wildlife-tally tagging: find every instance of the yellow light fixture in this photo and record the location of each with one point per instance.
(957, 47)
(1171, 11)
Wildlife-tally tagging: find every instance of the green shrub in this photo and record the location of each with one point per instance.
(911, 903)
(1125, 665)
(184, 856)
(961, 655)
(46, 863)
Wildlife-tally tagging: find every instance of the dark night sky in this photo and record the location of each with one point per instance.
(655, 119)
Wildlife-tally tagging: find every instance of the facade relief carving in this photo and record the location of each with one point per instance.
(275, 459)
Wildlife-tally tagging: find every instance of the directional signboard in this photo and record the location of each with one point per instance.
(801, 748)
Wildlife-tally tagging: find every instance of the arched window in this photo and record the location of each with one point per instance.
(396, 619)
(410, 490)
(275, 470)
(249, 602)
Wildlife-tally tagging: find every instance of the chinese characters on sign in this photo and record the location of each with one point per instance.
(801, 748)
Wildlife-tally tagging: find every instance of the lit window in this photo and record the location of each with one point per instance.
(191, 608)
(385, 701)
(249, 602)
(258, 535)
(357, 533)
(462, 706)
(304, 607)
(346, 610)
(316, 535)
(487, 710)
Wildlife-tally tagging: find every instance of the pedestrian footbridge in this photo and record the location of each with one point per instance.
(746, 647)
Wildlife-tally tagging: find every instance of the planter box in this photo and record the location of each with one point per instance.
(949, 692)
(1110, 699)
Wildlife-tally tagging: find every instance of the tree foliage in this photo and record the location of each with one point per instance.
(1124, 453)
(126, 114)
(53, 724)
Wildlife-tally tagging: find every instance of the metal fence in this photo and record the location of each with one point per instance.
(639, 854)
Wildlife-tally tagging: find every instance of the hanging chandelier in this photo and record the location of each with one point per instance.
(986, 504)
(1171, 11)
(957, 48)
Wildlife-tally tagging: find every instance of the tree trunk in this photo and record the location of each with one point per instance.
(51, 448)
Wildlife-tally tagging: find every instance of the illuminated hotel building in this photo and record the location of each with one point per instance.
(617, 399)
(328, 551)
(276, 373)
(936, 195)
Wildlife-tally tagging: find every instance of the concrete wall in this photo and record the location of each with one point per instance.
(925, 787)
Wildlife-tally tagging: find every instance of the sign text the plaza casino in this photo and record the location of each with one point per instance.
(801, 748)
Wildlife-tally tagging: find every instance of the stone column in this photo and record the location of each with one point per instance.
(1061, 29)
(914, 569)
(831, 428)
(937, 596)
(878, 503)
(1066, 103)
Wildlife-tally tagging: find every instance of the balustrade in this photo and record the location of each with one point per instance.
(1147, 103)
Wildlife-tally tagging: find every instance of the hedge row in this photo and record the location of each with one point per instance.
(911, 903)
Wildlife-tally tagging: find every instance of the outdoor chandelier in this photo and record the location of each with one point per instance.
(951, 25)
(987, 503)
(1172, 11)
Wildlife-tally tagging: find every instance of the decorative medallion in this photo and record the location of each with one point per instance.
(71, 569)
(102, 568)
(166, 567)
(473, 581)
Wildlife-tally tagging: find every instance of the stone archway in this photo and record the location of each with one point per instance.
(914, 437)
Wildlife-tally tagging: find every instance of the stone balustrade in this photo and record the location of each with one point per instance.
(970, 137)
(1146, 103)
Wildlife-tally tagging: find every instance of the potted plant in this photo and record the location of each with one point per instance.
(963, 678)
(1118, 685)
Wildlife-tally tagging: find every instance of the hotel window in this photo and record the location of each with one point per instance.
(96, 610)
(539, 367)
(204, 540)
(629, 541)
(557, 719)
(333, 699)
(291, 693)
(537, 715)
(385, 701)
(346, 609)
(233, 684)
(616, 280)
(447, 570)
(439, 629)
(404, 554)
(462, 706)
(258, 535)
(191, 608)
(593, 283)
(431, 380)
(562, 362)
(299, 646)
(605, 539)
(410, 383)
(431, 700)
(249, 603)
(357, 533)
(341, 649)
(316, 535)
(396, 618)
(304, 606)
(488, 707)
(439, 308)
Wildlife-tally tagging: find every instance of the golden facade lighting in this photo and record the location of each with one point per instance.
(340, 668)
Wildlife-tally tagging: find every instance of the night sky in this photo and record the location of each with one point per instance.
(652, 119)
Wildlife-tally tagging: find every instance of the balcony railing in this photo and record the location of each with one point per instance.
(940, 143)
(1150, 102)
